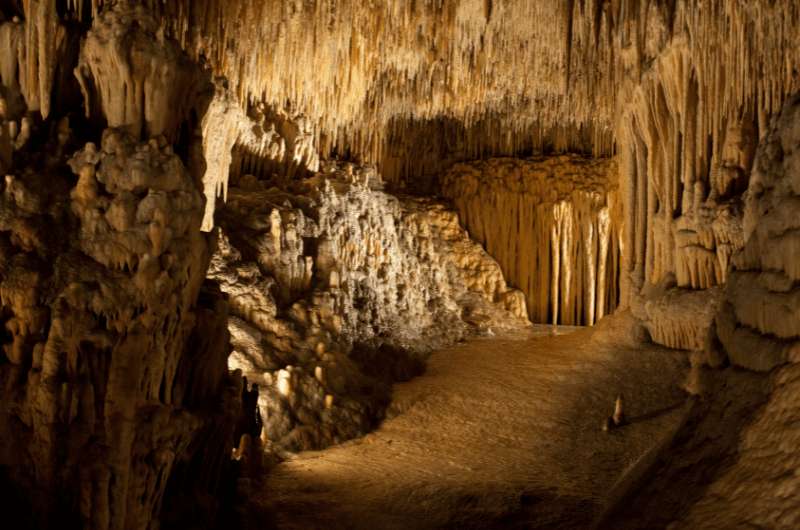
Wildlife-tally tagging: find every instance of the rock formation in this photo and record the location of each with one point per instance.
(337, 289)
(553, 224)
(108, 384)
(759, 324)
(115, 386)
(146, 145)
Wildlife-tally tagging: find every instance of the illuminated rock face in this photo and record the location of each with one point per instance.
(495, 77)
(109, 384)
(759, 324)
(553, 224)
(122, 122)
(114, 371)
(338, 289)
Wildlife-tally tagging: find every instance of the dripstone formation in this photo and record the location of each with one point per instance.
(315, 195)
(337, 289)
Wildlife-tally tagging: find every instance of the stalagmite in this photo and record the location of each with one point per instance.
(392, 279)
(607, 154)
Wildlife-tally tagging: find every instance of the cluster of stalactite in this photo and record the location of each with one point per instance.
(354, 69)
(679, 89)
(553, 224)
(685, 167)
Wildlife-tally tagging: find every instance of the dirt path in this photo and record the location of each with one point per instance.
(499, 432)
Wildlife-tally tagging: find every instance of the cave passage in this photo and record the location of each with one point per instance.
(501, 432)
(399, 264)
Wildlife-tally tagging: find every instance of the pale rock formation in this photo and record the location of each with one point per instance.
(502, 77)
(134, 76)
(29, 50)
(336, 290)
(759, 322)
(115, 376)
(681, 318)
(554, 226)
(737, 455)
(259, 143)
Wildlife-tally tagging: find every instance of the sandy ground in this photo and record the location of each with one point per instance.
(499, 432)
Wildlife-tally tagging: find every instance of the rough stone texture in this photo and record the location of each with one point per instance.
(737, 456)
(258, 143)
(682, 318)
(114, 382)
(682, 196)
(338, 289)
(106, 386)
(681, 91)
(496, 78)
(759, 323)
(133, 76)
(735, 461)
(553, 224)
(760, 488)
(29, 50)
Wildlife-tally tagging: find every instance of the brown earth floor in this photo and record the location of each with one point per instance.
(499, 432)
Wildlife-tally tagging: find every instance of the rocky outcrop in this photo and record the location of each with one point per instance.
(134, 77)
(553, 224)
(759, 322)
(680, 318)
(338, 289)
(107, 384)
(113, 379)
(259, 143)
(736, 455)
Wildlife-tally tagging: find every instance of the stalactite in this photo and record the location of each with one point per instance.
(28, 53)
(550, 223)
(132, 76)
(736, 56)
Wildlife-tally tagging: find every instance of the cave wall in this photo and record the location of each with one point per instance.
(759, 327)
(759, 323)
(115, 386)
(103, 261)
(736, 459)
(103, 389)
(553, 224)
(338, 289)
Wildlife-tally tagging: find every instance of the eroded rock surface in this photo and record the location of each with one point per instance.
(108, 385)
(759, 323)
(736, 455)
(337, 290)
(553, 224)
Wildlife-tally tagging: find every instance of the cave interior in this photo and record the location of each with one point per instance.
(410, 264)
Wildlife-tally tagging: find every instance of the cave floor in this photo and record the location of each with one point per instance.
(499, 432)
